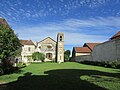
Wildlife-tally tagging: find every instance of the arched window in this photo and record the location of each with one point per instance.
(49, 46)
(60, 38)
(49, 56)
(39, 47)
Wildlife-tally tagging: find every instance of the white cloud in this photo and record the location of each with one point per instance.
(18, 9)
(0, 17)
(100, 21)
(72, 28)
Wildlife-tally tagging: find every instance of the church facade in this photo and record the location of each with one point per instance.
(53, 50)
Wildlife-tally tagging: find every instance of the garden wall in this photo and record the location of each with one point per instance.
(83, 58)
(107, 51)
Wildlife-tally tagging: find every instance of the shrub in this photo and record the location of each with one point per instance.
(1, 71)
(21, 65)
(108, 64)
(38, 56)
(115, 64)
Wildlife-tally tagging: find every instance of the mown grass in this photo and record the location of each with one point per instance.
(64, 76)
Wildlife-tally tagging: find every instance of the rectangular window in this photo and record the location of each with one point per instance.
(60, 57)
(29, 49)
(25, 49)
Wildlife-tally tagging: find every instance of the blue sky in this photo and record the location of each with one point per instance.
(80, 20)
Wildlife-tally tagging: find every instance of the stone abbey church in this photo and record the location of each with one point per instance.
(53, 50)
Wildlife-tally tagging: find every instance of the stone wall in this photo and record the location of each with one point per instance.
(118, 48)
(83, 58)
(107, 51)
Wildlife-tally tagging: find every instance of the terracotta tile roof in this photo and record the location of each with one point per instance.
(3, 22)
(82, 50)
(90, 45)
(26, 42)
(116, 35)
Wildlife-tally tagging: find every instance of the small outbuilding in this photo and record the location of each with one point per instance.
(82, 51)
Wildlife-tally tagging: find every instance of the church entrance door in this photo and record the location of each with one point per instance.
(49, 56)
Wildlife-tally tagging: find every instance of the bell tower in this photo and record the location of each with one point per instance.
(60, 47)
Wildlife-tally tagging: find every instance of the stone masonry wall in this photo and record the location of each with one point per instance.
(83, 58)
(107, 51)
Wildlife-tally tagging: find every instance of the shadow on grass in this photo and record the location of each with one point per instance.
(61, 79)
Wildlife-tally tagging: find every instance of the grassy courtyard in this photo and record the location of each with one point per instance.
(64, 76)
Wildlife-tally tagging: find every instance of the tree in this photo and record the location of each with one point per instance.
(9, 44)
(38, 56)
(67, 52)
(67, 55)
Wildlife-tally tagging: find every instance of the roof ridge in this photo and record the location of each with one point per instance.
(46, 38)
(115, 35)
(82, 50)
(27, 42)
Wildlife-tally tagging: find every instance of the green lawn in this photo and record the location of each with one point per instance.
(64, 76)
